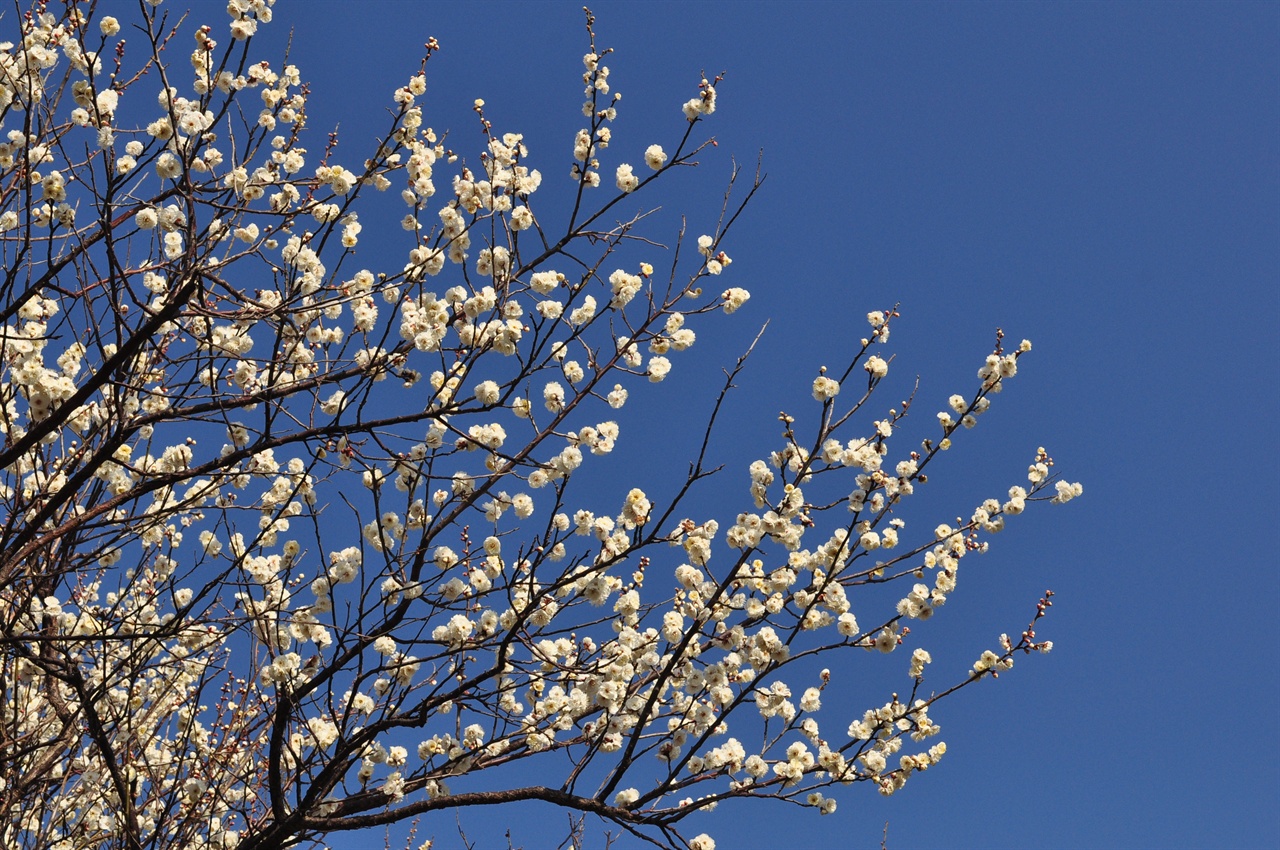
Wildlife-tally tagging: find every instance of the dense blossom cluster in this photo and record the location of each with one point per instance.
(295, 551)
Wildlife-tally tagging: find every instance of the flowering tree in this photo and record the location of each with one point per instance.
(291, 542)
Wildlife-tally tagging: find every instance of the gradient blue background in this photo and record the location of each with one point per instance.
(1101, 178)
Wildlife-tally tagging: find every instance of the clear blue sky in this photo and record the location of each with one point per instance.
(1101, 178)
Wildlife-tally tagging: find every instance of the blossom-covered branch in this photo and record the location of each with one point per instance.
(295, 539)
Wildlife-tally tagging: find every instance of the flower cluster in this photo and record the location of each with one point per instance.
(300, 542)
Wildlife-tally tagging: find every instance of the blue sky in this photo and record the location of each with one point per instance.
(1101, 178)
